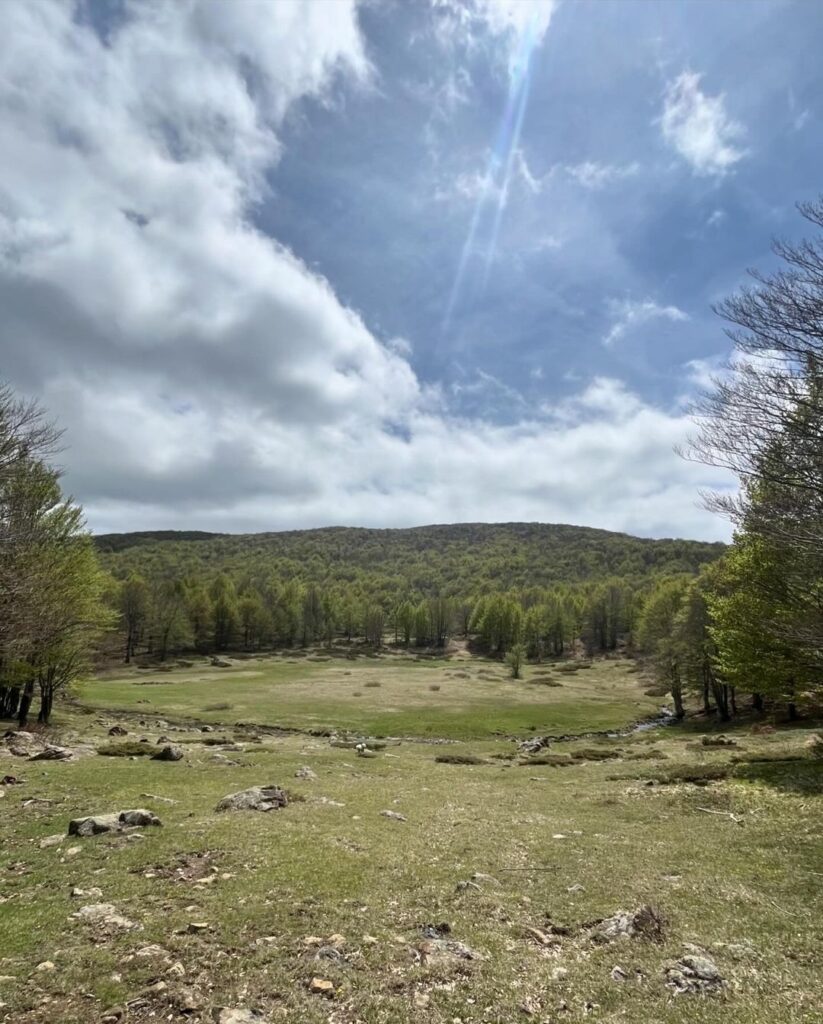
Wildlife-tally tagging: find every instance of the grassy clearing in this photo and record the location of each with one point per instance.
(382, 696)
(331, 888)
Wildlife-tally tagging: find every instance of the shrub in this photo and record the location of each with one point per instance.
(218, 707)
(371, 684)
(434, 687)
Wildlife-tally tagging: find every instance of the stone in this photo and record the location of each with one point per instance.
(45, 966)
(207, 728)
(618, 974)
(433, 949)
(197, 927)
(239, 1015)
(322, 987)
(139, 818)
(258, 798)
(467, 886)
(305, 773)
(51, 752)
(177, 970)
(118, 730)
(541, 937)
(86, 894)
(577, 887)
(168, 753)
(51, 841)
(394, 815)
(644, 923)
(560, 974)
(94, 824)
(105, 917)
(694, 974)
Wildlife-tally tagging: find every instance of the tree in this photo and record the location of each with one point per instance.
(224, 612)
(656, 636)
(51, 587)
(514, 659)
(134, 609)
(763, 420)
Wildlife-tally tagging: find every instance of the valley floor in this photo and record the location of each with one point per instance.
(488, 894)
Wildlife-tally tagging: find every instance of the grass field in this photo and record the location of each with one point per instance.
(389, 695)
(330, 888)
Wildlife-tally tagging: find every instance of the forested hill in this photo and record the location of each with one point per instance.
(465, 558)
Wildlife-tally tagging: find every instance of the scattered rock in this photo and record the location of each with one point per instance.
(258, 798)
(541, 937)
(239, 1015)
(168, 753)
(51, 752)
(618, 974)
(559, 974)
(644, 923)
(468, 886)
(118, 730)
(322, 987)
(104, 918)
(305, 773)
(94, 825)
(51, 841)
(577, 887)
(394, 815)
(198, 927)
(534, 745)
(694, 974)
(46, 965)
(86, 894)
(114, 822)
(431, 949)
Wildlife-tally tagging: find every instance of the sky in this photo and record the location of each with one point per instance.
(389, 263)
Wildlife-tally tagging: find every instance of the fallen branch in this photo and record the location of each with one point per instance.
(725, 814)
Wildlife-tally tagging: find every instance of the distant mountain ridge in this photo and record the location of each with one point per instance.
(459, 558)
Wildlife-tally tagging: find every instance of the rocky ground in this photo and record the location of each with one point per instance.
(160, 872)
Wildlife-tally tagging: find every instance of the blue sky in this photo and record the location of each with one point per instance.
(231, 241)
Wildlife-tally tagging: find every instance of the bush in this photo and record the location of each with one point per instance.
(218, 707)
(434, 687)
(371, 684)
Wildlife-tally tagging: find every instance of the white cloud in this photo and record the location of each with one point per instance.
(629, 314)
(206, 376)
(698, 127)
(594, 175)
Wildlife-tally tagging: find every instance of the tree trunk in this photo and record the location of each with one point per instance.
(733, 700)
(25, 704)
(757, 701)
(793, 716)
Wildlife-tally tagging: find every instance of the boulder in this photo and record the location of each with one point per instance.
(257, 798)
(694, 974)
(168, 753)
(94, 825)
(305, 773)
(51, 752)
(239, 1015)
(118, 730)
(117, 821)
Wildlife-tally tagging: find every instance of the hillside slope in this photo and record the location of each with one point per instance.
(464, 558)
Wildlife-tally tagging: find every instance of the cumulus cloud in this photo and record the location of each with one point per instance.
(206, 376)
(629, 314)
(697, 126)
